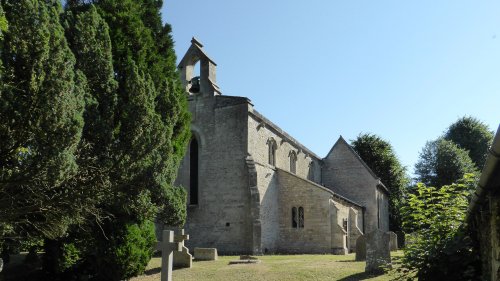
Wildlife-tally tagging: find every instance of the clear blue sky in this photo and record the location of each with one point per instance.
(403, 70)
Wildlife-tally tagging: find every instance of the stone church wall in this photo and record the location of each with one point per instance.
(355, 226)
(486, 222)
(260, 130)
(268, 189)
(345, 174)
(244, 201)
(383, 205)
(322, 231)
(221, 218)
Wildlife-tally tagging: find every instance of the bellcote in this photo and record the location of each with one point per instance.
(205, 84)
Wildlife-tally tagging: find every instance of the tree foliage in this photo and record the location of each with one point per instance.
(438, 247)
(127, 252)
(136, 124)
(41, 106)
(150, 125)
(96, 123)
(442, 162)
(381, 158)
(473, 136)
(3, 22)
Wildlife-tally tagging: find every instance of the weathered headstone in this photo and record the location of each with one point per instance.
(401, 239)
(167, 247)
(393, 243)
(361, 248)
(205, 254)
(378, 254)
(182, 259)
(1, 264)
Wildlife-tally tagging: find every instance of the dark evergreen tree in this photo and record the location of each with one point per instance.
(473, 136)
(151, 124)
(379, 155)
(136, 127)
(41, 104)
(442, 162)
(88, 37)
(153, 119)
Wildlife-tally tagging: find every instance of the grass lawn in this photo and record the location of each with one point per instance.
(276, 267)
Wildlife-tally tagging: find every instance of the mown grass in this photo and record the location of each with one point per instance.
(275, 267)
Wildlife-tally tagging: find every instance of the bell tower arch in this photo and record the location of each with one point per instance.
(205, 83)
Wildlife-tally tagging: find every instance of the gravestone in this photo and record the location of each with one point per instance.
(361, 248)
(205, 254)
(182, 259)
(378, 254)
(401, 239)
(1, 264)
(393, 244)
(167, 247)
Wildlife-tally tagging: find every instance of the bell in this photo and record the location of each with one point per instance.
(195, 85)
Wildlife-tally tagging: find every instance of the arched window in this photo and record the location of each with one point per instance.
(297, 217)
(193, 172)
(271, 143)
(293, 161)
(301, 217)
(295, 220)
(310, 174)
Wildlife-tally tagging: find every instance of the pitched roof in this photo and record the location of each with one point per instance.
(196, 46)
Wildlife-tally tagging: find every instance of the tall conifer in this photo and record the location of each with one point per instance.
(136, 127)
(153, 137)
(41, 106)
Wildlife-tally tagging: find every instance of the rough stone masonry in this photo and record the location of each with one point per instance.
(253, 189)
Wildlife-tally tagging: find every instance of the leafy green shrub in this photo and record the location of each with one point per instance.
(60, 257)
(28, 243)
(440, 247)
(127, 252)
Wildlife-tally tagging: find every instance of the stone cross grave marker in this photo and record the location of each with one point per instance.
(182, 259)
(167, 247)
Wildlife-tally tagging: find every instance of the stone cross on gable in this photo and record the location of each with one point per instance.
(167, 247)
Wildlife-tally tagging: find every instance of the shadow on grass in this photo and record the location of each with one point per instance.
(358, 276)
(152, 271)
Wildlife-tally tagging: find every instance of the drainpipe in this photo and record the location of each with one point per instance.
(490, 177)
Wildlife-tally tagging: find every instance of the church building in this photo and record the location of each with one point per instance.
(252, 188)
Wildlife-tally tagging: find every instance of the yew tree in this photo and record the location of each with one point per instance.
(380, 156)
(41, 107)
